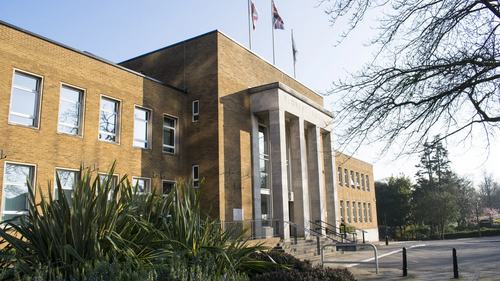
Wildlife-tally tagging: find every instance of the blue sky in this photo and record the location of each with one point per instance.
(119, 30)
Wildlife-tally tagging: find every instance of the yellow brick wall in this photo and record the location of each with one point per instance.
(49, 149)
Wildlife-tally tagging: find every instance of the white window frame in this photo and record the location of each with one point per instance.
(370, 212)
(353, 185)
(357, 180)
(196, 176)
(38, 98)
(174, 147)
(118, 120)
(360, 215)
(365, 212)
(76, 171)
(346, 177)
(354, 213)
(146, 180)
(196, 110)
(342, 215)
(348, 209)
(166, 181)
(363, 181)
(339, 175)
(367, 183)
(81, 115)
(33, 169)
(149, 121)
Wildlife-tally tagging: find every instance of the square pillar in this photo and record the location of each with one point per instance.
(299, 174)
(330, 179)
(279, 184)
(314, 164)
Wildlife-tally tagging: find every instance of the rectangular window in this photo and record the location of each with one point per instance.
(25, 99)
(370, 212)
(363, 181)
(357, 180)
(169, 134)
(346, 178)
(142, 127)
(348, 209)
(352, 180)
(167, 187)
(360, 214)
(367, 183)
(196, 176)
(104, 179)
(339, 175)
(342, 210)
(364, 212)
(354, 214)
(70, 111)
(68, 179)
(108, 120)
(143, 185)
(15, 189)
(196, 111)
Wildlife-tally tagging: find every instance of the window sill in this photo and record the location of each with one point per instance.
(24, 126)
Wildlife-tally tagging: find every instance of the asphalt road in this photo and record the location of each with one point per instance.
(478, 259)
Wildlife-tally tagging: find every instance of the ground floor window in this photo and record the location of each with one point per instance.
(68, 180)
(167, 187)
(15, 190)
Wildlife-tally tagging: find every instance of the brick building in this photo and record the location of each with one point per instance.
(206, 108)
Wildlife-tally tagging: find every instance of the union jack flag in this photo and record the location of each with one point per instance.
(255, 15)
(277, 21)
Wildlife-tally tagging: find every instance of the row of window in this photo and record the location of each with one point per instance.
(361, 212)
(356, 181)
(25, 107)
(15, 187)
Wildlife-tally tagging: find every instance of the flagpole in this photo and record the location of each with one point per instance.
(272, 28)
(293, 57)
(250, 24)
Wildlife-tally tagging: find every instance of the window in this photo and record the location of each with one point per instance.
(364, 212)
(339, 175)
(169, 134)
(346, 178)
(108, 120)
(342, 210)
(142, 128)
(143, 185)
(196, 176)
(25, 99)
(167, 187)
(354, 214)
(104, 179)
(367, 183)
(70, 111)
(15, 190)
(264, 172)
(370, 211)
(357, 180)
(68, 179)
(352, 180)
(196, 110)
(363, 181)
(359, 212)
(348, 208)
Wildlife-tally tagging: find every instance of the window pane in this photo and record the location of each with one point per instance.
(167, 187)
(69, 113)
(67, 178)
(15, 197)
(23, 102)
(265, 206)
(140, 131)
(109, 105)
(70, 94)
(25, 81)
(15, 189)
(168, 136)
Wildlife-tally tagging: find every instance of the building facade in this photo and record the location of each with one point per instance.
(206, 108)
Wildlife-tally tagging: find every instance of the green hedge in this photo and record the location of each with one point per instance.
(469, 234)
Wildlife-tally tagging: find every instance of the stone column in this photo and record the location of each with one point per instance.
(256, 177)
(299, 173)
(314, 164)
(330, 179)
(279, 187)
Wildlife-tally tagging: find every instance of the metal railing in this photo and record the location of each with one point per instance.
(354, 262)
(335, 231)
(259, 229)
(312, 232)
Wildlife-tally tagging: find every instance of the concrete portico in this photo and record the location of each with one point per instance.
(301, 166)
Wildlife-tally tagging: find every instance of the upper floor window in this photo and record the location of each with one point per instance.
(363, 181)
(196, 176)
(68, 179)
(15, 189)
(169, 134)
(357, 180)
(70, 111)
(339, 175)
(108, 120)
(167, 187)
(352, 180)
(142, 128)
(25, 99)
(367, 183)
(346, 178)
(196, 110)
(341, 210)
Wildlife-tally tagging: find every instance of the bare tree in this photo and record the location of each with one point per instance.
(489, 191)
(436, 70)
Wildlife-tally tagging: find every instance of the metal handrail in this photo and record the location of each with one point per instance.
(349, 244)
(312, 232)
(339, 234)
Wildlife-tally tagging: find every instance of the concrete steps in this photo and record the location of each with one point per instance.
(308, 249)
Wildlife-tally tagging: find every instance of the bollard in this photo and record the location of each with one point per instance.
(319, 245)
(295, 234)
(387, 240)
(455, 264)
(405, 263)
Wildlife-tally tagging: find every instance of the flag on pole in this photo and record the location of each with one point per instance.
(255, 15)
(294, 50)
(277, 21)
